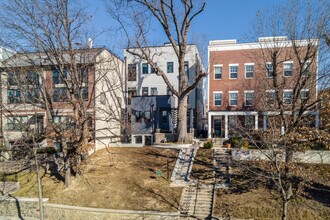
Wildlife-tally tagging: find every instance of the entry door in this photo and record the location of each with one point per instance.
(217, 127)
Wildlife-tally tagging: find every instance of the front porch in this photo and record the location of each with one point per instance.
(221, 122)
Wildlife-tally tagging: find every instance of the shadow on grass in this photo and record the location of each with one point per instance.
(319, 192)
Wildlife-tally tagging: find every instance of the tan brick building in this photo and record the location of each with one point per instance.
(244, 78)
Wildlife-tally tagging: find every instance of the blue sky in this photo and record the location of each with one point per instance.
(222, 19)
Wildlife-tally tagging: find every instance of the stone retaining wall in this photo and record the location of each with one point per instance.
(29, 208)
(310, 156)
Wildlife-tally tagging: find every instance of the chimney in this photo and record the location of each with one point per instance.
(90, 43)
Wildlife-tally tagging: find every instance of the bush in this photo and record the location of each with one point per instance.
(47, 150)
(208, 145)
(235, 141)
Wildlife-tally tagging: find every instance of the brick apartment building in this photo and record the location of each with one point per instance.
(242, 76)
(26, 78)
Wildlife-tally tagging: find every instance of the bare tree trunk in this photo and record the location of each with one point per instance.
(284, 209)
(67, 168)
(41, 207)
(182, 119)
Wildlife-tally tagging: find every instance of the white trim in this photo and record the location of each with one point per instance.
(248, 64)
(217, 92)
(217, 65)
(270, 90)
(233, 64)
(220, 113)
(259, 45)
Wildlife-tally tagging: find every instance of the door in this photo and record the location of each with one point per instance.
(217, 127)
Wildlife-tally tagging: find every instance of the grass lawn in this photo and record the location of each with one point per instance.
(202, 169)
(248, 199)
(116, 178)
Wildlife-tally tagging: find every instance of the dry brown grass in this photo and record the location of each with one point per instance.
(251, 199)
(117, 178)
(202, 169)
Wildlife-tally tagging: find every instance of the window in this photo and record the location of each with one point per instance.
(233, 71)
(232, 120)
(60, 94)
(17, 123)
(131, 69)
(248, 121)
(186, 67)
(12, 79)
(138, 116)
(145, 68)
(32, 96)
(131, 93)
(153, 70)
(64, 122)
(144, 91)
(287, 96)
(153, 91)
(164, 116)
(287, 68)
(32, 78)
(270, 70)
(248, 98)
(305, 70)
(57, 78)
(170, 67)
(233, 98)
(218, 72)
(147, 116)
(84, 75)
(84, 93)
(270, 96)
(14, 96)
(217, 97)
(249, 71)
(304, 94)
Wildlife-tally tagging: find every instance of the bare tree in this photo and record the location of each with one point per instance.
(174, 19)
(290, 71)
(66, 70)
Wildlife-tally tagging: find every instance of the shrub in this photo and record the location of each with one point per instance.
(208, 145)
(245, 144)
(235, 141)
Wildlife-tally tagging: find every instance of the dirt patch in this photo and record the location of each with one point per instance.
(117, 178)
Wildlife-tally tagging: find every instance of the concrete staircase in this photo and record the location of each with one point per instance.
(196, 202)
(222, 167)
(217, 142)
(183, 165)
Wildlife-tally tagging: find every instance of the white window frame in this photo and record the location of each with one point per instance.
(217, 65)
(217, 92)
(231, 65)
(267, 72)
(288, 62)
(304, 90)
(232, 92)
(147, 68)
(271, 91)
(249, 64)
(287, 90)
(245, 92)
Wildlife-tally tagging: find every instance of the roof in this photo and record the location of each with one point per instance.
(47, 58)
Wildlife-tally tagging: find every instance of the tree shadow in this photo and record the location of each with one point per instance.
(18, 206)
(319, 192)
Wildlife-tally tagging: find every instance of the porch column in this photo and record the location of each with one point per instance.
(226, 126)
(209, 125)
(317, 120)
(265, 122)
(256, 121)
